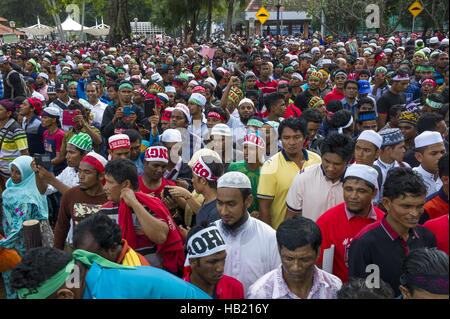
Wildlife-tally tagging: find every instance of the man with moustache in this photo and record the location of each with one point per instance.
(83, 200)
(344, 221)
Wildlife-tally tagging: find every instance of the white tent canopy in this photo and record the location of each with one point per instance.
(71, 25)
(37, 29)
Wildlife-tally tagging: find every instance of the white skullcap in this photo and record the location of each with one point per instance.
(43, 75)
(183, 108)
(367, 173)
(315, 49)
(434, 40)
(156, 77)
(211, 81)
(197, 99)
(52, 110)
(163, 97)
(426, 50)
(193, 83)
(372, 137)
(221, 129)
(171, 136)
(297, 76)
(234, 180)
(427, 138)
(246, 100)
(170, 89)
(444, 41)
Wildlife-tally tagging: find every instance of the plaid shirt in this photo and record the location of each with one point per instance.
(273, 286)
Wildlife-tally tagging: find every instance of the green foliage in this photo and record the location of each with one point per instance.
(13, 10)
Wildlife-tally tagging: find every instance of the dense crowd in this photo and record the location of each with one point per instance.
(268, 168)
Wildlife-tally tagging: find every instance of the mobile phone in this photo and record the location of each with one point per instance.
(128, 110)
(149, 107)
(67, 117)
(43, 160)
(166, 193)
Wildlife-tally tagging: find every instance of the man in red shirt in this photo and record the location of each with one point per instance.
(153, 181)
(265, 83)
(338, 77)
(205, 264)
(436, 206)
(119, 146)
(440, 228)
(341, 223)
(291, 109)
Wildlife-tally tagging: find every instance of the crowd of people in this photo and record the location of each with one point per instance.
(259, 168)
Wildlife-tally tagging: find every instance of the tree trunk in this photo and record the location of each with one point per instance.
(82, 20)
(208, 25)
(120, 28)
(229, 17)
(194, 27)
(57, 20)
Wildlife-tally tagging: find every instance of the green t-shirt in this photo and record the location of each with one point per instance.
(253, 175)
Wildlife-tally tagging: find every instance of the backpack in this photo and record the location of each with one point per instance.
(26, 90)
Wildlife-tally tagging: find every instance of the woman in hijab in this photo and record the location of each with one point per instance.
(21, 202)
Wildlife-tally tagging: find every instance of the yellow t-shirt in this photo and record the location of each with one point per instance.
(276, 178)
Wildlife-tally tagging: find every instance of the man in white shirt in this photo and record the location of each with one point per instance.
(324, 179)
(251, 244)
(429, 148)
(297, 277)
(96, 107)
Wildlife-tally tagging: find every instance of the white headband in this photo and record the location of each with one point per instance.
(206, 242)
(350, 122)
(157, 154)
(202, 170)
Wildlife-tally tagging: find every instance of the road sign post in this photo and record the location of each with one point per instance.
(415, 9)
(262, 15)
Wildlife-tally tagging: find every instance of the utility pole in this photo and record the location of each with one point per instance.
(278, 17)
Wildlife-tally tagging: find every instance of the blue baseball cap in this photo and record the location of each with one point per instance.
(363, 87)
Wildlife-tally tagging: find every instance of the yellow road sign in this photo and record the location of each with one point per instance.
(416, 8)
(262, 15)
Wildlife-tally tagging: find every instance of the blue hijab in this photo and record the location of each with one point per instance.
(26, 191)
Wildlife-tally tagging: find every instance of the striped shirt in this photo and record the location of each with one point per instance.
(13, 140)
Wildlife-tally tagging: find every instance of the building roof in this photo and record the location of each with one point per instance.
(254, 5)
(7, 30)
